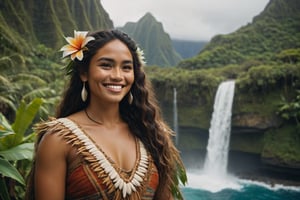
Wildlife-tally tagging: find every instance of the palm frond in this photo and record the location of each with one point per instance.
(39, 93)
(6, 102)
(25, 77)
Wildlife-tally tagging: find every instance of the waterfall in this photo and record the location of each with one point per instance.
(219, 133)
(214, 176)
(175, 115)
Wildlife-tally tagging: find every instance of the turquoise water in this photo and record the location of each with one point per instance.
(241, 190)
(250, 192)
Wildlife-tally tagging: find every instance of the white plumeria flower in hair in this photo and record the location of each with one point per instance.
(76, 45)
(141, 57)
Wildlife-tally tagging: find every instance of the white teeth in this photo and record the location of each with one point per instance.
(114, 86)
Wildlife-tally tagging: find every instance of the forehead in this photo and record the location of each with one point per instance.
(114, 48)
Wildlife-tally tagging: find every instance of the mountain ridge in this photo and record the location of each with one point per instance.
(24, 25)
(156, 43)
(275, 29)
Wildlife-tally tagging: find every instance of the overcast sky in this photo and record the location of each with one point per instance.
(188, 19)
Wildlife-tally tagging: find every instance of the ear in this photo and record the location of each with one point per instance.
(83, 76)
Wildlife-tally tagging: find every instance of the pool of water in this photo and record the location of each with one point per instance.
(211, 188)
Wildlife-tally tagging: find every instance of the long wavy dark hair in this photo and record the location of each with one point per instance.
(143, 116)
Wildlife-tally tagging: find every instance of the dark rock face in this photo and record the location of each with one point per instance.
(273, 161)
(246, 158)
(247, 166)
(256, 121)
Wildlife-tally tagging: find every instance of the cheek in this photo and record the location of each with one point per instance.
(131, 78)
(97, 73)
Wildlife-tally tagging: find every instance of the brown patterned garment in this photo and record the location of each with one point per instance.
(94, 176)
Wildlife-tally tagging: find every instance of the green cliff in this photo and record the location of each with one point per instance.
(274, 30)
(31, 33)
(155, 42)
(24, 23)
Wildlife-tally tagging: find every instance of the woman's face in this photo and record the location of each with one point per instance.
(111, 73)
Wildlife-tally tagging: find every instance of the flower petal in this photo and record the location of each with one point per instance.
(67, 47)
(73, 56)
(75, 42)
(82, 34)
(67, 50)
(79, 55)
(87, 40)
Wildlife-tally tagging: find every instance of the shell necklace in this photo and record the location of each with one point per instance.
(127, 187)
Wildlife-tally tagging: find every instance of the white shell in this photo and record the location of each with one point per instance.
(125, 187)
(124, 190)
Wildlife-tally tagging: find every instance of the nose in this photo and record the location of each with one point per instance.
(116, 73)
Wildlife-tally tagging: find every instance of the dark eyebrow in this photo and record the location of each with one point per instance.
(105, 59)
(127, 62)
(111, 60)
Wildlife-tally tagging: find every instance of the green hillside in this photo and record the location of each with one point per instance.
(31, 32)
(155, 42)
(270, 34)
(25, 23)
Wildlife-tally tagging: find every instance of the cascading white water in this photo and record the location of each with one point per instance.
(175, 114)
(219, 133)
(214, 176)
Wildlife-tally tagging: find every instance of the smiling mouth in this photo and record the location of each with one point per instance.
(112, 87)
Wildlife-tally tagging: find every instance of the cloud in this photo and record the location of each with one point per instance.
(188, 19)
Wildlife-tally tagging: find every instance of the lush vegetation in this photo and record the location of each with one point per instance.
(16, 150)
(262, 57)
(23, 23)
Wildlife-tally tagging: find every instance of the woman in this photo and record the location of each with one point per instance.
(108, 140)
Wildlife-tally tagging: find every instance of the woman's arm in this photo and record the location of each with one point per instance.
(50, 168)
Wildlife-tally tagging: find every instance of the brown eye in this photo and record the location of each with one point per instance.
(105, 65)
(127, 67)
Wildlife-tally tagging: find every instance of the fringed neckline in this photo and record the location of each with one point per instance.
(101, 164)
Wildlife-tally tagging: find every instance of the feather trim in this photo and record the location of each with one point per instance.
(124, 188)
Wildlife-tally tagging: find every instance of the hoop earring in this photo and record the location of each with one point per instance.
(84, 93)
(130, 98)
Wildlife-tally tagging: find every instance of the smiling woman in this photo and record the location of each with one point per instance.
(108, 140)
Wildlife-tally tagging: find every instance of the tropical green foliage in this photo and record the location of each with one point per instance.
(289, 56)
(290, 110)
(282, 145)
(25, 78)
(16, 146)
(265, 78)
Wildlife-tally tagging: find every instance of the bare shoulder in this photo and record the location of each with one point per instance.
(52, 144)
(51, 166)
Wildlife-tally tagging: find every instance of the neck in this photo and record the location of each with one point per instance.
(104, 115)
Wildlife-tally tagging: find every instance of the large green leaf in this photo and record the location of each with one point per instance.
(20, 152)
(5, 128)
(8, 170)
(24, 118)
